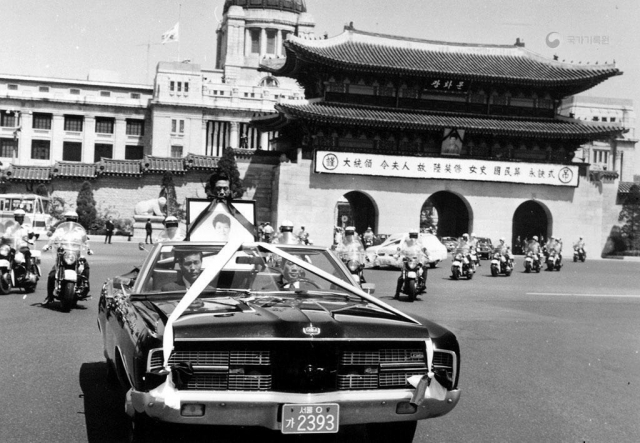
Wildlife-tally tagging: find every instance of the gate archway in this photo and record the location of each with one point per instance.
(530, 218)
(358, 210)
(447, 213)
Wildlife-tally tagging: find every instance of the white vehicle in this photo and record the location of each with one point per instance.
(386, 254)
(36, 208)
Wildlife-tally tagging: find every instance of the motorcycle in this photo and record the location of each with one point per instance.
(553, 260)
(473, 255)
(355, 262)
(532, 262)
(579, 254)
(70, 282)
(19, 267)
(462, 266)
(501, 264)
(413, 277)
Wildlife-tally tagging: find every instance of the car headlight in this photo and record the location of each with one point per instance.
(5, 250)
(69, 257)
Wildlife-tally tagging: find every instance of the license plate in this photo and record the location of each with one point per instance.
(310, 419)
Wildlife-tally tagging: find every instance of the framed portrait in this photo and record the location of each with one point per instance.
(213, 221)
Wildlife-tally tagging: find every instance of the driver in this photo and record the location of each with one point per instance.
(293, 277)
(190, 268)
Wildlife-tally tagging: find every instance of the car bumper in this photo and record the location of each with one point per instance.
(264, 408)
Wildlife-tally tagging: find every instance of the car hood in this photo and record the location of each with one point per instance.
(285, 319)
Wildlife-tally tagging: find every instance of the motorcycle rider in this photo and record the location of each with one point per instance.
(412, 247)
(286, 236)
(473, 245)
(464, 246)
(171, 231)
(579, 246)
(368, 237)
(81, 234)
(18, 230)
(505, 250)
(351, 249)
(268, 232)
(554, 244)
(303, 236)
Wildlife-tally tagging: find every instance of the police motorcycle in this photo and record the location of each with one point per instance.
(462, 265)
(352, 253)
(68, 281)
(533, 261)
(501, 263)
(413, 273)
(553, 259)
(19, 266)
(579, 254)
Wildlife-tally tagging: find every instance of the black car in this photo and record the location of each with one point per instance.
(484, 247)
(277, 336)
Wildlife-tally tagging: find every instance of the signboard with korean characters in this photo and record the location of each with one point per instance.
(353, 163)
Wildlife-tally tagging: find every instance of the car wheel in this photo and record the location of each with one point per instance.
(5, 285)
(140, 429)
(397, 432)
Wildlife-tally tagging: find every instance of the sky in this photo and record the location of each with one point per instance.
(68, 38)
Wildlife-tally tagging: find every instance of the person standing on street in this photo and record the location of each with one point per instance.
(149, 230)
(110, 227)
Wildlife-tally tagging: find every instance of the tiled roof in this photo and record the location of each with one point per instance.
(352, 115)
(162, 164)
(194, 161)
(79, 170)
(29, 173)
(119, 167)
(625, 187)
(376, 53)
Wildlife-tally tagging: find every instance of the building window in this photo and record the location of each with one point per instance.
(132, 152)
(172, 86)
(601, 157)
(12, 87)
(105, 94)
(73, 123)
(181, 126)
(135, 127)
(8, 119)
(40, 149)
(42, 121)
(271, 41)
(186, 87)
(104, 125)
(101, 151)
(612, 119)
(8, 146)
(176, 151)
(72, 151)
(43, 89)
(604, 119)
(179, 86)
(74, 91)
(254, 35)
(135, 95)
(177, 126)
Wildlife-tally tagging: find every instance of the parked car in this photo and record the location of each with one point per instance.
(450, 243)
(484, 247)
(384, 254)
(253, 343)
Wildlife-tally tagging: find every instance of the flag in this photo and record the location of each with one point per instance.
(171, 35)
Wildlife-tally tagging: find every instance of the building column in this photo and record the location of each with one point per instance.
(119, 138)
(247, 42)
(57, 137)
(24, 137)
(279, 43)
(263, 42)
(88, 139)
(233, 137)
(264, 141)
(203, 138)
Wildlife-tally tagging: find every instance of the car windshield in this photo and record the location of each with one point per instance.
(253, 270)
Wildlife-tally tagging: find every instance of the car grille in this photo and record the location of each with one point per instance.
(304, 367)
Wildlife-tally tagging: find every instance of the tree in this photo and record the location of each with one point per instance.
(168, 191)
(227, 165)
(630, 215)
(42, 190)
(86, 208)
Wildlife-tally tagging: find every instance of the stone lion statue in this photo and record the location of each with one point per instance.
(150, 207)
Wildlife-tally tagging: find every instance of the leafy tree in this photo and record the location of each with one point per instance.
(630, 215)
(42, 190)
(86, 207)
(227, 165)
(168, 191)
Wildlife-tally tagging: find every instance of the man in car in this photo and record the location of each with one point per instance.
(293, 277)
(190, 268)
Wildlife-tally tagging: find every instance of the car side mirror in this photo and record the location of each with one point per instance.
(369, 288)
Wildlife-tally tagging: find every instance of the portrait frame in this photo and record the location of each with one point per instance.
(207, 214)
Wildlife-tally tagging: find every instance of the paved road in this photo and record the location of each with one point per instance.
(545, 357)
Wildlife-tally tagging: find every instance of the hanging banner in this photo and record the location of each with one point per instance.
(327, 162)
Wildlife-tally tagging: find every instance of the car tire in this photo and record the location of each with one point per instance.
(396, 432)
(5, 285)
(140, 429)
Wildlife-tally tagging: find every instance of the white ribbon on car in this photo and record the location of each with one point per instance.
(426, 385)
(167, 390)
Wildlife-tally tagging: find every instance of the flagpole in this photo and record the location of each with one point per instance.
(179, 36)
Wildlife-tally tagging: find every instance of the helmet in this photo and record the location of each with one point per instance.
(286, 226)
(71, 216)
(535, 237)
(171, 222)
(465, 236)
(349, 230)
(18, 214)
(413, 233)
